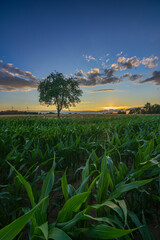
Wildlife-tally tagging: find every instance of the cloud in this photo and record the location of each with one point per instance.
(94, 70)
(16, 71)
(107, 80)
(154, 79)
(90, 78)
(119, 54)
(10, 89)
(94, 77)
(102, 58)
(150, 62)
(14, 79)
(110, 71)
(89, 58)
(126, 75)
(134, 77)
(128, 63)
(107, 74)
(104, 63)
(107, 60)
(79, 73)
(93, 74)
(103, 90)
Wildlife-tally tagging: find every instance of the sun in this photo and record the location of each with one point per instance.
(114, 108)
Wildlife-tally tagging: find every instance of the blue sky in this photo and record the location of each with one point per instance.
(92, 36)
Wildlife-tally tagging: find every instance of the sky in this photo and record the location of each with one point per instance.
(112, 48)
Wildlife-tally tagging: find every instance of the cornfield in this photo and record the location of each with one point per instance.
(80, 178)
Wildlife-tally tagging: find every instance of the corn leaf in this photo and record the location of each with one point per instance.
(64, 185)
(48, 182)
(127, 187)
(58, 234)
(26, 185)
(105, 232)
(72, 205)
(11, 231)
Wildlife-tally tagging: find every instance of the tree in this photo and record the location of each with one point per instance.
(60, 91)
(147, 107)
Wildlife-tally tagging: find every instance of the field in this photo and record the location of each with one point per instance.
(80, 177)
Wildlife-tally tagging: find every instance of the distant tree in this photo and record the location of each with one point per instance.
(59, 91)
(147, 108)
(156, 108)
(121, 112)
(136, 111)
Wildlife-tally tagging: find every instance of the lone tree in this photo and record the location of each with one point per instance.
(60, 91)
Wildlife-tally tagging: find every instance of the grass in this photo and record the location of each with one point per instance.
(81, 177)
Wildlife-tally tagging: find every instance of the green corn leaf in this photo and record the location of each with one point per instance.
(84, 184)
(48, 182)
(93, 182)
(148, 235)
(111, 205)
(58, 234)
(103, 182)
(26, 185)
(85, 172)
(80, 216)
(64, 185)
(111, 168)
(71, 190)
(43, 229)
(100, 219)
(11, 231)
(66, 226)
(127, 187)
(105, 232)
(72, 205)
(107, 203)
(123, 206)
(155, 197)
(138, 224)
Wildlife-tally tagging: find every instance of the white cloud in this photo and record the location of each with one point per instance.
(89, 58)
(94, 77)
(128, 63)
(119, 54)
(150, 62)
(107, 74)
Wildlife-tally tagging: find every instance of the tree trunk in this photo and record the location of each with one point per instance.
(58, 112)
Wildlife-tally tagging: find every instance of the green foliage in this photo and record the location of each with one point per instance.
(76, 178)
(11, 230)
(147, 109)
(106, 232)
(60, 91)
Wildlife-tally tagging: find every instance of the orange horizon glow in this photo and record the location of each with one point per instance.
(74, 109)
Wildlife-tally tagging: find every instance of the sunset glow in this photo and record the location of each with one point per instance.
(114, 108)
(116, 65)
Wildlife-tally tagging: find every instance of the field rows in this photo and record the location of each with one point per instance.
(88, 178)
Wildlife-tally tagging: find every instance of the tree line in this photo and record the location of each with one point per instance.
(147, 109)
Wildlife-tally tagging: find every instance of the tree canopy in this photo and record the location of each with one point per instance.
(59, 91)
(147, 109)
